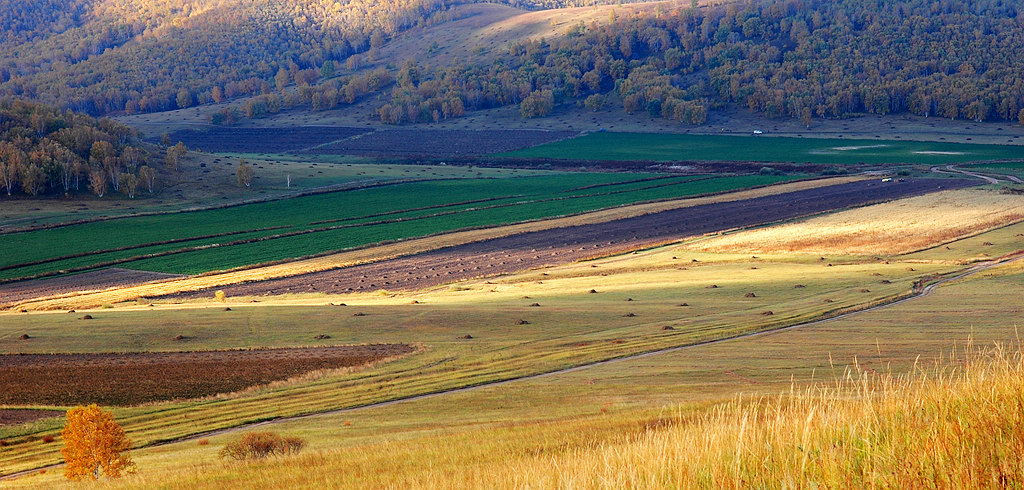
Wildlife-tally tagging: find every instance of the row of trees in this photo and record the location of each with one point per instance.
(326, 95)
(788, 58)
(44, 150)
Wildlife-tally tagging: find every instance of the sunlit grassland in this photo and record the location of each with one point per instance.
(570, 327)
(645, 418)
(901, 226)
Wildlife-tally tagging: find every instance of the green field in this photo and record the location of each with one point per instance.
(314, 224)
(682, 147)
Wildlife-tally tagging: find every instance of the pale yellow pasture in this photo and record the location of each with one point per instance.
(890, 228)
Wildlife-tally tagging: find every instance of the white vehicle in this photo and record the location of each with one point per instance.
(758, 131)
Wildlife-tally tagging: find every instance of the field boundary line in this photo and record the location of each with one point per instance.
(919, 291)
(329, 260)
(327, 189)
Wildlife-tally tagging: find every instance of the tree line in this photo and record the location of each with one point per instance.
(789, 58)
(46, 150)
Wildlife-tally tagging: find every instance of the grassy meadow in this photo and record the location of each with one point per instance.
(909, 225)
(683, 147)
(637, 296)
(629, 419)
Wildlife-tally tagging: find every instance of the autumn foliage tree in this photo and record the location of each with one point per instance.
(245, 173)
(94, 441)
(46, 150)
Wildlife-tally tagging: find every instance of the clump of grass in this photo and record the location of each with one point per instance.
(257, 445)
(955, 427)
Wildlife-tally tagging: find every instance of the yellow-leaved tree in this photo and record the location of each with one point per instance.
(93, 440)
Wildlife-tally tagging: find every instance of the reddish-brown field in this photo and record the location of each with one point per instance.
(563, 245)
(87, 281)
(15, 416)
(134, 378)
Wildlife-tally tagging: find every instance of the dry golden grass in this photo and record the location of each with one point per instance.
(891, 228)
(956, 425)
(383, 252)
(950, 428)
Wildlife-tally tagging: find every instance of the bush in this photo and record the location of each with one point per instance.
(255, 445)
(220, 295)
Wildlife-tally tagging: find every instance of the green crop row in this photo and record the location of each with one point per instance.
(686, 147)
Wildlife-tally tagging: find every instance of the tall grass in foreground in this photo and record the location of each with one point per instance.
(956, 426)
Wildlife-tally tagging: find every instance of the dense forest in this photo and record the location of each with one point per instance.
(45, 150)
(785, 58)
(103, 56)
(794, 58)
(106, 56)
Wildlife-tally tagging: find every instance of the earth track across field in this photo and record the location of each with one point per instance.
(71, 379)
(919, 292)
(564, 245)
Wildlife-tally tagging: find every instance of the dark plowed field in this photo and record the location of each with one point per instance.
(441, 142)
(262, 140)
(14, 416)
(564, 245)
(129, 379)
(87, 281)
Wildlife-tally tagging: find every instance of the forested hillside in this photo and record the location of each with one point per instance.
(103, 56)
(784, 58)
(45, 150)
(795, 58)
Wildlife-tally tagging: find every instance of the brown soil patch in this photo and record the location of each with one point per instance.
(13, 416)
(220, 139)
(112, 278)
(564, 245)
(134, 378)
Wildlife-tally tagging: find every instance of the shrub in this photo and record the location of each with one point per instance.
(220, 295)
(255, 445)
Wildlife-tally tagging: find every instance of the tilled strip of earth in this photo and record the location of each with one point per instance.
(569, 244)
